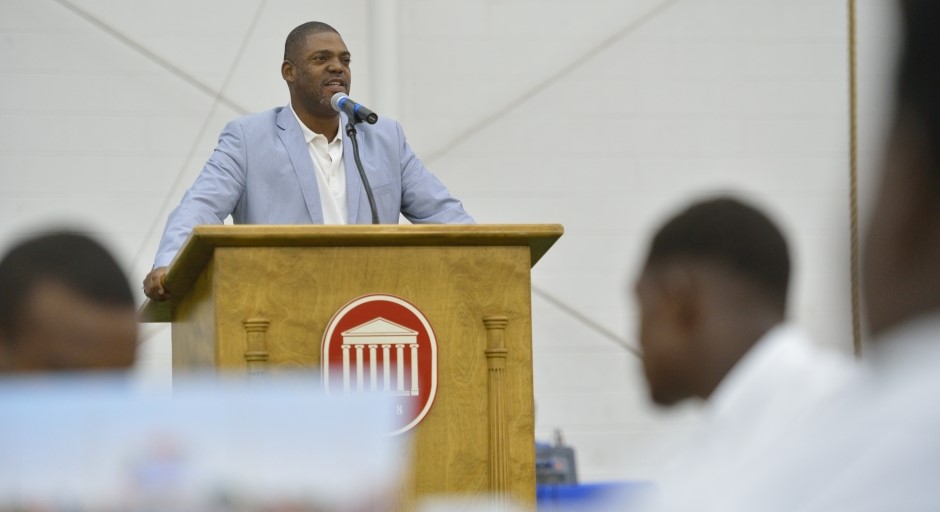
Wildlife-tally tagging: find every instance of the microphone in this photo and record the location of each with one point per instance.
(355, 111)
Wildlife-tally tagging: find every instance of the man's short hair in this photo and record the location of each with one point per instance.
(297, 37)
(729, 233)
(71, 259)
(918, 85)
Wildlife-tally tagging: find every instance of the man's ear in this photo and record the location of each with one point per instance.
(287, 71)
(681, 291)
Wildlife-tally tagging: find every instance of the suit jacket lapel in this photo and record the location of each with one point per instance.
(353, 181)
(293, 139)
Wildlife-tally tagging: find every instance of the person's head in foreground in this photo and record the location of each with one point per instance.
(65, 304)
(714, 282)
(902, 253)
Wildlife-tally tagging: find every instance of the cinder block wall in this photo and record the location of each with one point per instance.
(602, 115)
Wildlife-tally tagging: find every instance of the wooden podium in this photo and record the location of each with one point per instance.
(259, 298)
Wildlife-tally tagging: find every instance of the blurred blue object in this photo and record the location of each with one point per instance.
(592, 496)
(555, 462)
(93, 442)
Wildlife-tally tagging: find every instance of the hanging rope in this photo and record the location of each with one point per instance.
(853, 185)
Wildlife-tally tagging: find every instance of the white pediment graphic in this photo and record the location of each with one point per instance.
(379, 328)
(367, 340)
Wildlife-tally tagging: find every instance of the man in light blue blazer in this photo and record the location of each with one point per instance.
(295, 165)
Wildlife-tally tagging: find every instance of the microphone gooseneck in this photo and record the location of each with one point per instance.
(351, 133)
(356, 113)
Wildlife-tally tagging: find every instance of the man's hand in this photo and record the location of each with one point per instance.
(153, 285)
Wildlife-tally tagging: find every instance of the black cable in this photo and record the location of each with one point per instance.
(351, 133)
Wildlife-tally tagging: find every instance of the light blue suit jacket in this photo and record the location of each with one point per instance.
(262, 173)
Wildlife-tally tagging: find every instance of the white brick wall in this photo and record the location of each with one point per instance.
(593, 114)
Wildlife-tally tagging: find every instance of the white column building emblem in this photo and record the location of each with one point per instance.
(391, 338)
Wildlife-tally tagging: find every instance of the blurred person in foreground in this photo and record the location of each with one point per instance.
(875, 445)
(902, 250)
(65, 304)
(294, 164)
(712, 297)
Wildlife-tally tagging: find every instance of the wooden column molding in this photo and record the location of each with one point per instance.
(256, 356)
(496, 353)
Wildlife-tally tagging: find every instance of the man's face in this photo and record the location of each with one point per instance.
(898, 230)
(879, 256)
(63, 330)
(666, 358)
(318, 71)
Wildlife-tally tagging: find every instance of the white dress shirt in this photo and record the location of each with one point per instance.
(774, 387)
(875, 446)
(331, 173)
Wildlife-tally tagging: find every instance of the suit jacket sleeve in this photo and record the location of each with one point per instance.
(424, 199)
(213, 196)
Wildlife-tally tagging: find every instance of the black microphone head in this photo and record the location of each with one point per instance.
(334, 101)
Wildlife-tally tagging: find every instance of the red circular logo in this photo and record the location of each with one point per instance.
(383, 343)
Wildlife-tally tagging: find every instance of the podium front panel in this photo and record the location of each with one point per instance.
(269, 307)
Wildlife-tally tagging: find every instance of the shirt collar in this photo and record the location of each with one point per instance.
(910, 344)
(309, 134)
(756, 364)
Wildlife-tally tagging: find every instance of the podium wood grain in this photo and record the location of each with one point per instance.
(456, 275)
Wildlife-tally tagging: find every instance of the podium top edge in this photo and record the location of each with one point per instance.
(201, 243)
(376, 232)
